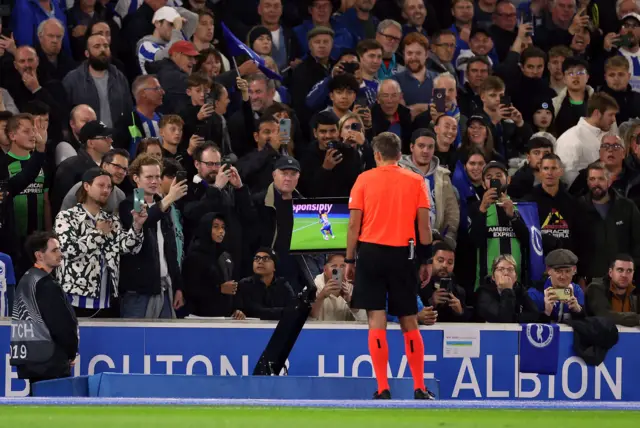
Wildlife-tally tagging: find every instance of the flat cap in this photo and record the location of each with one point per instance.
(320, 30)
(561, 258)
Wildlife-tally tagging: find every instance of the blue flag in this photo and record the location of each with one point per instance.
(529, 213)
(236, 47)
(539, 348)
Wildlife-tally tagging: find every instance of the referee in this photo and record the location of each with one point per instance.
(385, 203)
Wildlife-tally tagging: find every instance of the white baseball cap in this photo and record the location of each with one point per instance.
(631, 15)
(165, 13)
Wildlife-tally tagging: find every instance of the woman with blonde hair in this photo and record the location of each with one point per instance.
(502, 298)
(351, 132)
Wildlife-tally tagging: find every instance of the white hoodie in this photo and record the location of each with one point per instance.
(579, 146)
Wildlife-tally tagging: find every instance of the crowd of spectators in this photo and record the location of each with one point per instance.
(158, 158)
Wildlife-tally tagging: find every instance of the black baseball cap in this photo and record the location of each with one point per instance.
(287, 162)
(93, 173)
(94, 129)
(494, 164)
(477, 118)
(574, 61)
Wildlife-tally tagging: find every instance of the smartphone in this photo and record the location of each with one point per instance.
(505, 100)
(138, 199)
(563, 294)
(524, 17)
(446, 283)
(285, 129)
(356, 126)
(439, 99)
(624, 41)
(495, 183)
(337, 275)
(350, 67)
(181, 176)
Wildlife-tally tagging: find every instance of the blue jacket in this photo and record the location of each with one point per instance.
(393, 318)
(460, 44)
(537, 296)
(28, 14)
(341, 41)
(350, 21)
(461, 181)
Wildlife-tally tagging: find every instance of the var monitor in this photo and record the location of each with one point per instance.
(320, 225)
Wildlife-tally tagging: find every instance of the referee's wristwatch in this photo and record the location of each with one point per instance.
(350, 261)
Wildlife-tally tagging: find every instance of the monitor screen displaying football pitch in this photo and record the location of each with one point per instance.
(320, 225)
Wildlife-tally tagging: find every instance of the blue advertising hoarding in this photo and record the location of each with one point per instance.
(325, 349)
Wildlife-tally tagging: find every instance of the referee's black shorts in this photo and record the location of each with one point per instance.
(382, 273)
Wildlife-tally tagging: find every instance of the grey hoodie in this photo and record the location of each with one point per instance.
(447, 215)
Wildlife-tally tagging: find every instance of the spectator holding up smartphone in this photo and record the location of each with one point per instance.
(496, 227)
(558, 299)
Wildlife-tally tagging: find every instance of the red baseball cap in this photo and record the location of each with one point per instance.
(183, 47)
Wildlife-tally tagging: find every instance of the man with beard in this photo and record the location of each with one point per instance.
(442, 292)
(92, 241)
(416, 81)
(116, 163)
(360, 21)
(217, 187)
(613, 296)
(557, 209)
(617, 75)
(99, 84)
(529, 174)
(612, 225)
(444, 212)
(579, 145)
(612, 154)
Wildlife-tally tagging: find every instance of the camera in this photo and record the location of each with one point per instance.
(229, 160)
(350, 67)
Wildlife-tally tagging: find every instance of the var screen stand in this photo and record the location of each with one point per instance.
(274, 356)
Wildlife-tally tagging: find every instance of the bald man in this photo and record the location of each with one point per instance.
(80, 115)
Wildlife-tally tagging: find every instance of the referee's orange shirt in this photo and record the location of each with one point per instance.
(389, 198)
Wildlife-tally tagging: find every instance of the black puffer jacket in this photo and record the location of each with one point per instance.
(509, 306)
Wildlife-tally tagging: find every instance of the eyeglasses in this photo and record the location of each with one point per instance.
(577, 73)
(611, 147)
(157, 89)
(118, 167)
(630, 25)
(506, 269)
(261, 259)
(211, 164)
(390, 38)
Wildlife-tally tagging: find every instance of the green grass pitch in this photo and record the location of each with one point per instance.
(307, 236)
(263, 417)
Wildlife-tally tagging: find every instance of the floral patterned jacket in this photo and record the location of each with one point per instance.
(83, 246)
